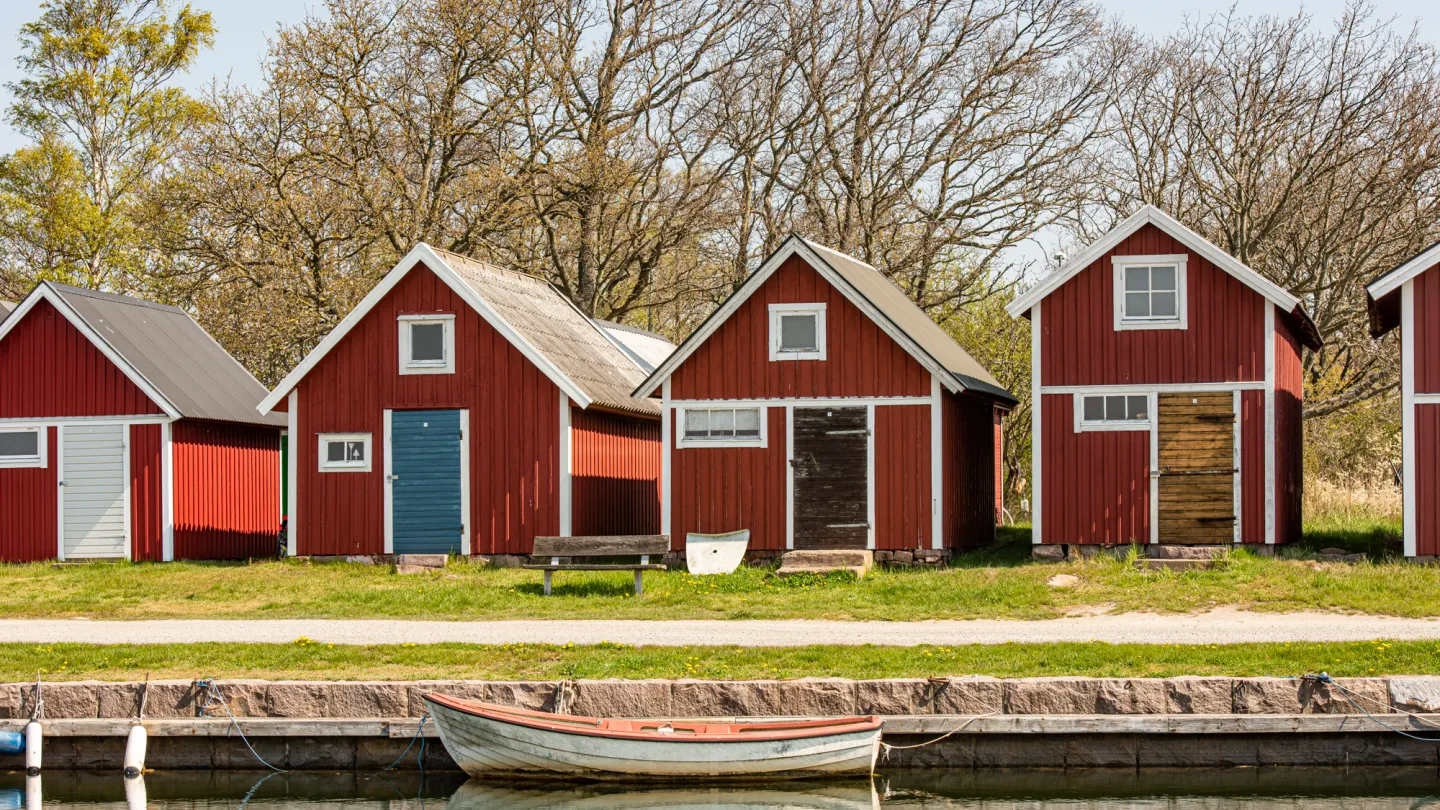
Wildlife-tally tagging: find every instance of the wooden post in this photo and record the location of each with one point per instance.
(639, 585)
(547, 582)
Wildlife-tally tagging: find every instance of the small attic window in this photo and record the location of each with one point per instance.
(427, 344)
(797, 331)
(22, 446)
(1149, 292)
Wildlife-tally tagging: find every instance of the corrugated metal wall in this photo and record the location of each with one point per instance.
(1096, 485)
(861, 360)
(1225, 341)
(147, 518)
(970, 464)
(902, 477)
(27, 500)
(514, 428)
(725, 489)
(65, 374)
(614, 474)
(227, 490)
(1289, 433)
(1252, 466)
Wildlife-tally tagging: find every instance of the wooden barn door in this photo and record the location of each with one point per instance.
(831, 494)
(1197, 467)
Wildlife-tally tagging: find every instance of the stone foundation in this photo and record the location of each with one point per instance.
(915, 558)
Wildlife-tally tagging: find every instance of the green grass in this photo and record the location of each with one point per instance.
(996, 582)
(310, 660)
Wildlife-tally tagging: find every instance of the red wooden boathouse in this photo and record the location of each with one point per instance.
(1169, 386)
(127, 432)
(819, 408)
(1408, 298)
(463, 408)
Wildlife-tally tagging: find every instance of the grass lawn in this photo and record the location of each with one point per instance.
(997, 582)
(305, 659)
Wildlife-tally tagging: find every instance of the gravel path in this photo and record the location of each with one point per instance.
(1216, 627)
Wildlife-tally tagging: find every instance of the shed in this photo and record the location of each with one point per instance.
(127, 432)
(464, 408)
(1168, 381)
(821, 409)
(1408, 298)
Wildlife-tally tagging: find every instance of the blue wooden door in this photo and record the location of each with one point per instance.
(425, 482)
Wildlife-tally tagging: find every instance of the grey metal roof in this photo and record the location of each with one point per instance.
(549, 322)
(645, 348)
(174, 354)
(6, 307)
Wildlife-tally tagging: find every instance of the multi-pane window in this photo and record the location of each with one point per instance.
(797, 331)
(1150, 292)
(22, 447)
(344, 452)
(427, 344)
(722, 426)
(1113, 412)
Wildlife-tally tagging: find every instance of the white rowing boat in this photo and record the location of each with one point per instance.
(487, 740)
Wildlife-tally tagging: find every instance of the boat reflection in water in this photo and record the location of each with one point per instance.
(485, 795)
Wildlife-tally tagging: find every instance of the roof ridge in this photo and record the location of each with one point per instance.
(490, 266)
(118, 298)
(625, 327)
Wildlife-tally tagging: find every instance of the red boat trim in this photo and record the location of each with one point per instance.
(647, 730)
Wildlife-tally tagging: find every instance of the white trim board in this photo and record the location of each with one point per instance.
(815, 402)
(167, 492)
(146, 419)
(666, 462)
(424, 254)
(1395, 279)
(1161, 388)
(389, 480)
(937, 463)
(1270, 470)
(465, 517)
(1151, 215)
(1037, 432)
(567, 468)
(1408, 399)
(292, 461)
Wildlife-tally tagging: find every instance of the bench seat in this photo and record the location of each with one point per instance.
(597, 567)
(643, 546)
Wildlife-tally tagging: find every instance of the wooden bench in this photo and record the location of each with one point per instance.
(641, 545)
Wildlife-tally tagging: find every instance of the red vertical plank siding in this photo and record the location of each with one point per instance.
(999, 455)
(147, 518)
(63, 373)
(861, 360)
(1426, 486)
(1096, 484)
(1224, 341)
(1289, 433)
(970, 439)
(1427, 332)
(1252, 466)
(28, 501)
(227, 490)
(725, 489)
(614, 474)
(514, 428)
(902, 476)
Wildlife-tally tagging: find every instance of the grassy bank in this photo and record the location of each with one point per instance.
(997, 582)
(311, 660)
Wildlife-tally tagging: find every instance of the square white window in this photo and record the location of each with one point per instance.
(427, 344)
(1112, 412)
(797, 331)
(1150, 292)
(22, 446)
(345, 452)
(722, 427)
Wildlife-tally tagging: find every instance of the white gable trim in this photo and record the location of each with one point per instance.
(1395, 279)
(792, 246)
(44, 292)
(423, 254)
(1151, 215)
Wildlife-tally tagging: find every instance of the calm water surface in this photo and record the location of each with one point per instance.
(1246, 789)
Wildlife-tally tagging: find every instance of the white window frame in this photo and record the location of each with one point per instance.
(681, 441)
(1082, 425)
(40, 460)
(1124, 323)
(327, 466)
(779, 310)
(407, 366)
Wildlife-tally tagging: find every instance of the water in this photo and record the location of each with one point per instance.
(1241, 788)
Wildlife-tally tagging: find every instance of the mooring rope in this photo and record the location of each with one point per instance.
(887, 747)
(418, 730)
(213, 696)
(1325, 678)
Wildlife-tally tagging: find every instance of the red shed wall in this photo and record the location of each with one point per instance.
(1096, 484)
(1426, 486)
(514, 428)
(862, 361)
(971, 470)
(902, 477)
(615, 474)
(227, 490)
(1427, 332)
(1289, 433)
(999, 465)
(64, 374)
(27, 499)
(725, 489)
(1252, 466)
(147, 515)
(1225, 341)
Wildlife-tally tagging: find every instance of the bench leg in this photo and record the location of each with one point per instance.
(639, 585)
(547, 583)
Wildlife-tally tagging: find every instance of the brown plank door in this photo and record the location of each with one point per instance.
(831, 492)
(1197, 467)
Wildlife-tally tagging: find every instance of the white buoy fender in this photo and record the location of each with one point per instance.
(135, 792)
(33, 744)
(135, 751)
(32, 792)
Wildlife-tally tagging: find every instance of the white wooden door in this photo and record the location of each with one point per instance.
(92, 491)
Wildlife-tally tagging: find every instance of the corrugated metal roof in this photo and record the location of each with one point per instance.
(549, 322)
(647, 349)
(174, 354)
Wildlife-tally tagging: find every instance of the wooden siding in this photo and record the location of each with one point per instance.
(725, 489)
(1225, 341)
(147, 516)
(1252, 466)
(64, 373)
(1289, 433)
(28, 500)
(1096, 485)
(1426, 486)
(615, 474)
(971, 472)
(998, 416)
(861, 360)
(227, 490)
(514, 428)
(1427, 331)
(903, 505)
